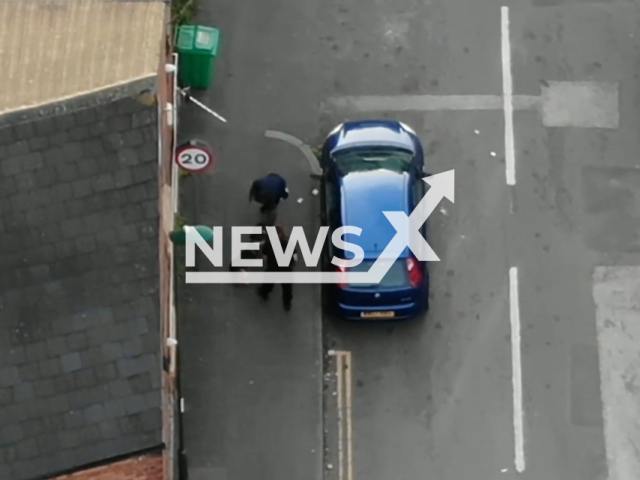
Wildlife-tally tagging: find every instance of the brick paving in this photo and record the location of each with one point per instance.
(79, 315)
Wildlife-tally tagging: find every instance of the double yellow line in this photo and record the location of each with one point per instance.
(344, 393)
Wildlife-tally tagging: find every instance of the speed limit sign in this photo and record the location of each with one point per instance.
(195, 156)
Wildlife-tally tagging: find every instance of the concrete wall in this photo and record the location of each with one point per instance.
(51, 50)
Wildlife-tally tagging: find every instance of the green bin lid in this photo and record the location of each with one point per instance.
(185, 37)
(179, 237)
(207, 38)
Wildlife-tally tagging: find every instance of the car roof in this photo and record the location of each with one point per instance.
(364, 197)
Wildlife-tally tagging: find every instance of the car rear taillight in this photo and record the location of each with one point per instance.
(415, 273)
(342, 283)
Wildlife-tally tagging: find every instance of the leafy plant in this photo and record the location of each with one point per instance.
(182, 11)
(180, 270)
(179, 221)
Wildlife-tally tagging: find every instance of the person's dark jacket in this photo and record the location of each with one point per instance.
(269, 189)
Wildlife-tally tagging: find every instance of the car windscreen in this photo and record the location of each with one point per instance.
(375, 159)
(397, 275)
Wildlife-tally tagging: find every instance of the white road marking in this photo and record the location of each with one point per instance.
(561, 104)
(616, 294)
(340, 395)
(516, 369)
(306, 150)
(345, 432)
(507, 98)
(426, 103)
(349, 395)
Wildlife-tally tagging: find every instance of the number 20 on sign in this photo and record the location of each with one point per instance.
(195, 156)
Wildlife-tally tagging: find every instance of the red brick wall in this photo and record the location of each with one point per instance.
(149, 467)
(165, 96)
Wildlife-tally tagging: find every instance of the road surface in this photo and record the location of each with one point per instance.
(527, 340)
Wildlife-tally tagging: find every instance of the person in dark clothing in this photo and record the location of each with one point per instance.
(271, 265)
(268, 191)
(251, 254)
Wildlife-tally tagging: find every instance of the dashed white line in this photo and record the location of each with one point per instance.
(507, 98)
(345, 430)
(516, 369)
(432, 103)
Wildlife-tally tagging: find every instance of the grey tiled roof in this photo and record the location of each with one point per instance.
(79, 307)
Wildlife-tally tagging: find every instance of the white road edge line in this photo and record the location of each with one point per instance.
(340, 393)
(345, 430)
(433, 103)
(306, 150)
(516, 369)
(507, 98)
(349, 397)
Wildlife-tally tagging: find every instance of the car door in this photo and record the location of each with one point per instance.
(418, 191)
(417, 163)
(330, 210)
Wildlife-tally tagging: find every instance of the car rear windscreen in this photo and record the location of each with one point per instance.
(363, 161)
(397, 275)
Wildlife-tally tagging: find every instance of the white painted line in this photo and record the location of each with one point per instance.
(429, 103)
(516, 369)
(345, 407)
(418, 102)
(349, 396)
(306, 150)
(340, 392)
(507, 98)
(285, 137)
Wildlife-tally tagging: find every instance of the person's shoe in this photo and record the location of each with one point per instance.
(263, 296)
(287, 306)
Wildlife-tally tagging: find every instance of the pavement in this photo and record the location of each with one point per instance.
(526, 360)
(251, 373)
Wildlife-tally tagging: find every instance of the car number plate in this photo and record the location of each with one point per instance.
(377, 314)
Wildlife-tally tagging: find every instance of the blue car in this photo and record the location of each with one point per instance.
(370, 167)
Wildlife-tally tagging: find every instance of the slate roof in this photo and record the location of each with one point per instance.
(79, 307)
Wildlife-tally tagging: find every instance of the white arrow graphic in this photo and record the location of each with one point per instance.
(441, 186)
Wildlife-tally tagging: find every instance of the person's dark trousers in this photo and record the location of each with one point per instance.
(287, 293)
(265, 290)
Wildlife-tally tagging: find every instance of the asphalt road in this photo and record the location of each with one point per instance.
(432, 398)
(573, 214)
